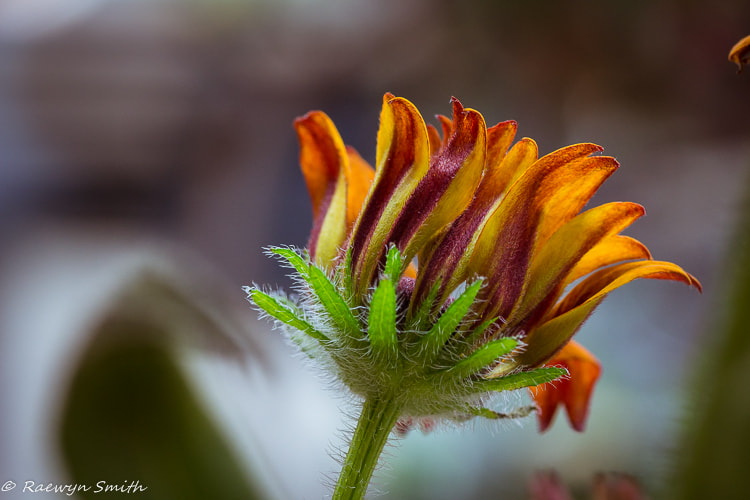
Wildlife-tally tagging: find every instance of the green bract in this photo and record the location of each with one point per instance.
(435, 365)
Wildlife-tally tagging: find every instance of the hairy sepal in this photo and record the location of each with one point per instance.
(286, 314)
(440, 372)
(482, 358)
(480, 411)
(429, 346)
(382, 324)
(335, 305)
(520, 380)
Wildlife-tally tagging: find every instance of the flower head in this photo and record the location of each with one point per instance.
(440, 275)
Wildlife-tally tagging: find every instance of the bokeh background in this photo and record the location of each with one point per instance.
(159, 133)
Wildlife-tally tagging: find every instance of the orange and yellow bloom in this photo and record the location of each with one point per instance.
(471, 205)
(460, 266)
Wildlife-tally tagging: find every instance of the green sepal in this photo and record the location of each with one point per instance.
(480, 411)
(296, 260)
(347, 275)
(334, 303)
(382, 322)
(479, 359)
(285, 314)
(519, 380)
(433, 341)
(393, 265)
(421, 318)
(466, 344)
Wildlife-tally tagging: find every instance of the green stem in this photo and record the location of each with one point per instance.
(378, 417)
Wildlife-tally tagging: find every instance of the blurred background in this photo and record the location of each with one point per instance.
(159, 134)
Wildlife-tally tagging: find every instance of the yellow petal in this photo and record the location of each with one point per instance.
(605, 280)
(449, 261)
(449, 185)
(574, 188)
(503, 249)
(503, 174)
(499, 139)
(565, 248)
(402, 161)
(544, 341)
(610, 250)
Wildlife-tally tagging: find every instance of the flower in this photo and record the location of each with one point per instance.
(440, 276)
(546, 485)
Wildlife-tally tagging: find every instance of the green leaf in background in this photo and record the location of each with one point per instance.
(131, 416)
(714, 456)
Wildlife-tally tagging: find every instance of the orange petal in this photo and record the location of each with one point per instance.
(360, 180)
(321, 149)
(600, 283)
(447, 125)
(740, 53)
(574, 392)
(499, 139)
(564, 249)
(573, 188)
(543, 341)
(547, 398)
(411, 271)
(505, 245)
(434, 137)
(611, 250)
(325, 165)
(501, 175)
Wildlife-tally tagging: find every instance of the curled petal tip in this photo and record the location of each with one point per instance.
(300, 119)
(573, 392)
(309, 117)
(593, 149)
(740, 53)
(695, 283)
(458, 111)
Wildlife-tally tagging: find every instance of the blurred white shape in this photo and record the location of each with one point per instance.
(22, 20)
